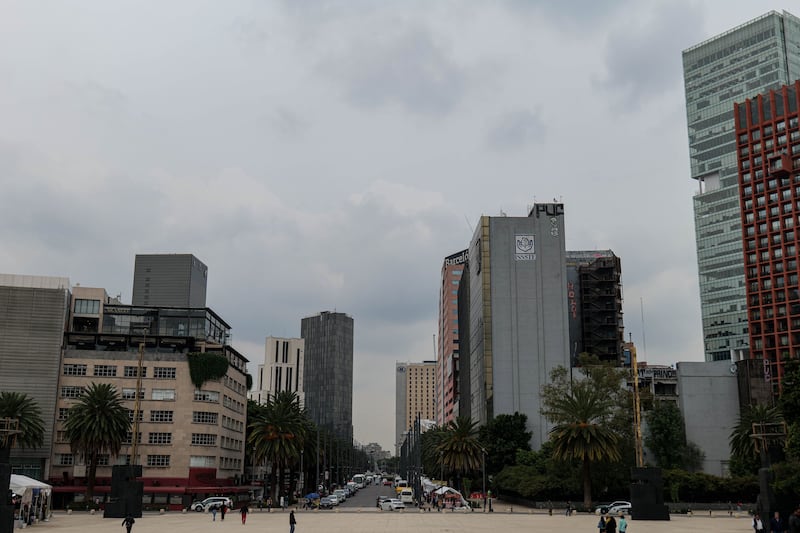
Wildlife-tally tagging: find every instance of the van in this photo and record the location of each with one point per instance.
(407, 495)
(399, 485)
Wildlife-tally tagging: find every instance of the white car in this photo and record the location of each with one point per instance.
(614, 508)
(392, 504)
(208, 503)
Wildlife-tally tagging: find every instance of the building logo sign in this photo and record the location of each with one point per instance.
(457, 259)
(523, 248)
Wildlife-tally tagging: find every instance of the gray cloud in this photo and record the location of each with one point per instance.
(517, 129)
(643, 60)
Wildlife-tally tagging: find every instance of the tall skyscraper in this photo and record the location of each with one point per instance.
(414, 396)
(33, 313)
(768, 142)
(518, 314)
(447, 346)
(169, 280)
(282, 369)
(752, 58)
(328, 372)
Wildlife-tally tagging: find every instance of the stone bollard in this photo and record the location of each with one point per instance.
(92, 511)
(511, 510)
(184, 510)
(161, 511)
(69, 511)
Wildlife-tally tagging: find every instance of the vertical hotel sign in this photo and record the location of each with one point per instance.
(524, 249)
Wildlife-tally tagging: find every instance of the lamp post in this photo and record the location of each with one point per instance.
(483, 469)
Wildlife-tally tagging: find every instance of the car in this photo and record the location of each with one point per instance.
(392, 504)
(341, 494)
(208, 503)
(387, 482)
(614, 508)
(334, 499)
(381, 499)
(326, 502)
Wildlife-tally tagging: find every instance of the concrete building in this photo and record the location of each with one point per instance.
(594, 292)
(747, 60)
(415, 396)
(768, 142)
(518, 313)
(190, 441)
(447, 347)
(282, 369)
(708, 400)
(33, 313)
(328, 371)
(169, 280)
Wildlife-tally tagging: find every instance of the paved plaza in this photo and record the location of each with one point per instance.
(372, 521)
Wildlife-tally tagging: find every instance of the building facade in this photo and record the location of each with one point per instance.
(33, 313)
(518, 314)
(768, 148)
(747, 60)
(415, 396)
(282, 369)
(594, 293)
(328, 371)
(447, 347)
(191, 441)
(169, 280)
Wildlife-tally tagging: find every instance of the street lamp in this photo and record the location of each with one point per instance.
(483, 469)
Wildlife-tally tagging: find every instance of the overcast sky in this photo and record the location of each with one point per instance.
(327, 155)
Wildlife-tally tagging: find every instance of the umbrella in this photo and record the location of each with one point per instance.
(312, 496)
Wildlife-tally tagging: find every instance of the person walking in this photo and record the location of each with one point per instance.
(269, 504)
(601, 525)
(611, 524)
(569, 509)
(776, 523)
(549, 507)
(222, 510)
(128, 522)
(292, 521)
(622, 523)
(243, 511)
(213, 513)
(758, 525)
(794, 521)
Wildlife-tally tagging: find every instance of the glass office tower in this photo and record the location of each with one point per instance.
(753, 58)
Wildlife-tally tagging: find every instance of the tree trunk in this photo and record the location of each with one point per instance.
(91, 473)
(587, 486)
(273, 482)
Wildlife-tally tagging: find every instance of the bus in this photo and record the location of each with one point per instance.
(358, 479)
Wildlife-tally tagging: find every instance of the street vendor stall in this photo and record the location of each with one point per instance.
(34, 499)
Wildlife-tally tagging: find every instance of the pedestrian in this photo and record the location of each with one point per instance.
(758, 525)
(730, 508)
(776, 524)
(243, 511)
(128, 522)
(601, 525)
(282, 504)
(214, 513)
(611, 524)
(569, 509)
(549, 507)
(794, 521)
(222, 510)
(292, 521)
(622, 523)
(269, 504)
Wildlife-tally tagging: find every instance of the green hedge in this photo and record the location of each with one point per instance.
(206, 366)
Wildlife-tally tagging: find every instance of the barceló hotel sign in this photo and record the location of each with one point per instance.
(457, 259)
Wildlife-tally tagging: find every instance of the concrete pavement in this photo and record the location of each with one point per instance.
(370, 520)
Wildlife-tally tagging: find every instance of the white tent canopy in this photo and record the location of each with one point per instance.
(26, 486)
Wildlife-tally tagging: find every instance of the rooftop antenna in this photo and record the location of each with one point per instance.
(471, 230)
(644, 337)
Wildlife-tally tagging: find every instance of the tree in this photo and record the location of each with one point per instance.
(789, 401)
(97, 424)
(278, 434)
(503, 436)
(461, 451)
(741, 441)
(26, 411)
(581, 429)
(666, 436)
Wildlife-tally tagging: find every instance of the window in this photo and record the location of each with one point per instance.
(204, 417)
(130, 394)
(159, 438)
(158, 461)
(108, 371)
(71, 392)
(162, 394)
(88, 307)
(204, 439)
(130, 414)
(129, 437)
(198, 461)
(65, 459)
(61, 436)
(63, 413)
(75, 370)
(131, 371)
(102, 459)
(206, 396)
(161, 416)
(164, 372)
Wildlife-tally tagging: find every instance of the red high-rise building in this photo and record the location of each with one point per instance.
(447, 352)
(768, 153)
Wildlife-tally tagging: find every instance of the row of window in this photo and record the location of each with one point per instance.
(234, 385)
(75, 391)
(230, 444)
(154, 461)
(233, 424)
(110, 371)
(230, 463)
(232, 404)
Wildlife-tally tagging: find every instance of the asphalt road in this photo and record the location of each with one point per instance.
(367, 496)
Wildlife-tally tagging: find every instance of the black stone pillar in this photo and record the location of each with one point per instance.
(647, 494)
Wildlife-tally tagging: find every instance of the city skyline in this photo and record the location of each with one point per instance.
(329, 156)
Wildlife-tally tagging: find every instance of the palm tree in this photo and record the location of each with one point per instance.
(582, 432)
(26, 411)
(278, 434)
(459, 449)
(97, 424)
(741, 441)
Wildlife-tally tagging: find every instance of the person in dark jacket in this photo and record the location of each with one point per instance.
(128, 522)
(292, 522)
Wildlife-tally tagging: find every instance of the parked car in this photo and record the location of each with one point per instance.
(381, 499)
(614, 508)
(334, 499)
(326, 502)
(392, 504)
(214, 501)
(341, 494)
